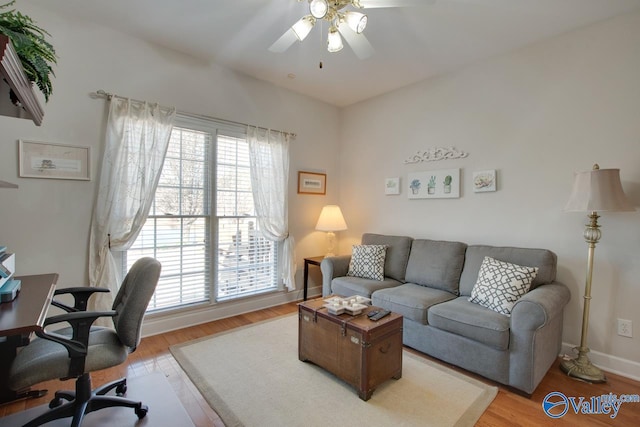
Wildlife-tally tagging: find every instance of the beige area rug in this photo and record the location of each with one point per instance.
(251, 376)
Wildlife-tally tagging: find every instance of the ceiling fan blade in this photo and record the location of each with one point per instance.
(371, 4)
(284, 42)
(358, 42)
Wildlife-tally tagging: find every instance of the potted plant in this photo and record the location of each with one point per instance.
(431, 186)
(36, 54)
(415, 186)
(447, 184)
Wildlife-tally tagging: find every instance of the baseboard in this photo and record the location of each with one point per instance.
(614, 364)
(160, 323)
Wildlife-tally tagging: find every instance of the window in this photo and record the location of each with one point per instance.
(223, 254)
(247, 262)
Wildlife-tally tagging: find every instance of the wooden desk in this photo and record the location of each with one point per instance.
(314, 260)
(18, 319)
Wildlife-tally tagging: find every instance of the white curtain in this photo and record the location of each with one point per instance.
(137, 137)
(269, 157)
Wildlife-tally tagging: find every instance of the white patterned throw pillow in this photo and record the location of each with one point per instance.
(367, 261)
(500, 284)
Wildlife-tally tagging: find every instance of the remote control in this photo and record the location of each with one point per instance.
(372, 313)
(380, 315)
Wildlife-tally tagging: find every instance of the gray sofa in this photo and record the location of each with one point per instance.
(429, 282)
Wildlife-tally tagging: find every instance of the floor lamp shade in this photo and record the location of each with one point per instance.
(597, 190)
(331, 220)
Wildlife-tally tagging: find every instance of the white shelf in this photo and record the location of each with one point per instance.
(14, 78)
(5, 184)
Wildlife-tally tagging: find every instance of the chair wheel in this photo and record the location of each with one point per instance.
(121, 389)
(141, 412)
(55, 402)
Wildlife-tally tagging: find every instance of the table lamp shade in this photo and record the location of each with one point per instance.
(331, 219)
(598, 190)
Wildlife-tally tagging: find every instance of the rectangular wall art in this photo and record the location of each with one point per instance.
(436, 184)
(312, 183)
(392, 186)
(484, 181)
(58, 161)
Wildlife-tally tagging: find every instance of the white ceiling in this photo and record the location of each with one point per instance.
(411, 43)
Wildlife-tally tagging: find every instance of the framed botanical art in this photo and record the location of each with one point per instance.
(436, 184)
(56, 161)
(392, 186)
(312, 183)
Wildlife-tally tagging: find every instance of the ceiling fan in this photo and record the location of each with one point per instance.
(345, 20)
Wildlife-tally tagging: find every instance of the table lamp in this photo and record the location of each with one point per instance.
(331, 220)
(597, 190)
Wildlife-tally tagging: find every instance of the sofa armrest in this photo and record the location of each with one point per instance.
(331, 268)
(537, 307)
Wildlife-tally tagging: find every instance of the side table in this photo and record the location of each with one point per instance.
(314, 260)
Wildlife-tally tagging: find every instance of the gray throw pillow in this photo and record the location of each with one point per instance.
(500, 284)
(367, 261)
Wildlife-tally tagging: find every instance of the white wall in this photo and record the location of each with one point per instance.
(46, 222)
(536, 116)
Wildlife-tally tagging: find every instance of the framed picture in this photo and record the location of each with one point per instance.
(56, 161)
(312, 183)
(484, 181)
(437, 184)
(392, 186)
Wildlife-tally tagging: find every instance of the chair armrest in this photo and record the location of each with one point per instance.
(537, 307)
(81, 295)
(77, 346)
(80, 322)
(332, 267)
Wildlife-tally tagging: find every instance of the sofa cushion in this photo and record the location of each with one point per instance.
(398, 248)
(347, 286)
(543, 259)
(501, 284)
(367, 261)
(473, 321)
(410, 300)
(436, 264)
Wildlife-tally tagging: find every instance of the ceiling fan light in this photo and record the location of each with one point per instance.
(334, 41)
(318, 8)
(356, 21)
(303, 27)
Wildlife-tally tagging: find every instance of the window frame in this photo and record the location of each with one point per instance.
(217, 219)
(215, 128)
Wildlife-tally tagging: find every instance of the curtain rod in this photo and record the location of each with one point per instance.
(107, 95)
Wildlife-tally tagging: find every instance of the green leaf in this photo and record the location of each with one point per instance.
(35, 52)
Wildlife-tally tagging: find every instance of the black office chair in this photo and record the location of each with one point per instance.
(76, 351)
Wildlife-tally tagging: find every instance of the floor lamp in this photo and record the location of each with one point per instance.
(597, 190)
(331, 220)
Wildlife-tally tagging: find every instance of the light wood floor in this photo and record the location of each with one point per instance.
(508, 409)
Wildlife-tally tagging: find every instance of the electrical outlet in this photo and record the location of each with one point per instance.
(625, 328)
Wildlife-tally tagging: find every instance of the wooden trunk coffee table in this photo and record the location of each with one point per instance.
(357, 350)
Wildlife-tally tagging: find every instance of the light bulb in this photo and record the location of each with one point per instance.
(356, 21)
(334, 41)
(318, 8)
(302, 28)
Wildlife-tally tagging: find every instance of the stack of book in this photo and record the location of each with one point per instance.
(9, 287)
